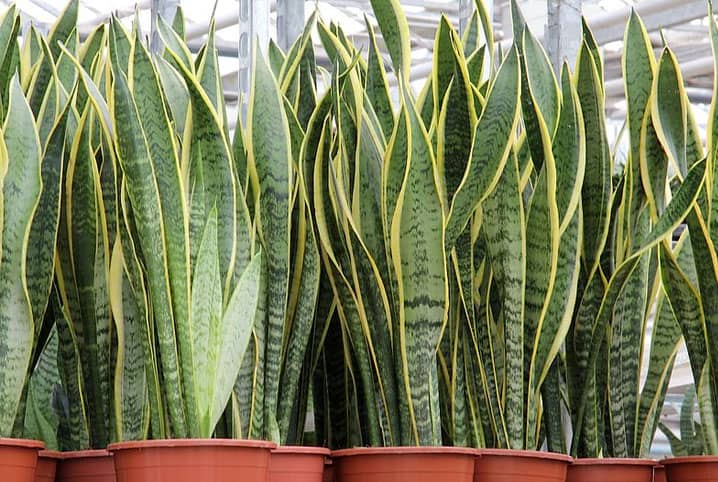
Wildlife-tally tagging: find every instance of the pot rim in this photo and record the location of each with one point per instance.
(614, 461)
(359, 451)
(21, 442)
(692, 459)
(84, 454)
(50, 454)
(535, 454)
(188, 443)
(302, 449)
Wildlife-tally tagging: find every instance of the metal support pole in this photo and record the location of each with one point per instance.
(290, 22)
(466, 9)
(253, 33)
(165, 9)
(563, 31)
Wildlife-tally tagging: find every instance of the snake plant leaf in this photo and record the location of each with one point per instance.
(470, 37)
(687, 306)
(665, 340)
(417, 248)
(376, 85)
(88, 260)
(271, 171)
(712, 129)
(20, 166)
(457, 119)
(43, 232)
(544, 97)
(624, 356)
(669, 111)
(597, 188)
(276, 57)
(131, 403)
(443, 66)
(491, 146)
(232, 334)
(91, 47)
(209, 75)
(569, 151)
(487, 25)
(638, 66)
(176, 94)
(137, 167)
(174, 43)
(679, 207)
(210, 154)
(395, 30)
(120, 45)
(9, 48)
(178, 22)
(41, 419)
(706, 406)
(301, 322)
(60, 33)
(505, 230)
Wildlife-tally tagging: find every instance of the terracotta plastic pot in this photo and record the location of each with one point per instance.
(46, 465)
(613, 470)
(18, 459)
(404, 464)
(501, 465)
(703, 468)
(298, 464)
(85, 466)
(192, 460)
(328, 470)
(659, 473)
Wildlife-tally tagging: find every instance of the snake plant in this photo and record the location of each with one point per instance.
(689, 277)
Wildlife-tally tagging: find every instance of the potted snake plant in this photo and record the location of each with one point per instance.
(690, 281)
(29, 224)
(186, 246)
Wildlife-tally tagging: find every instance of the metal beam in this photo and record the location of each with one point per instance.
(563, 31)
(466, 9)
(253, 34)
(290, 22)
(165, 9)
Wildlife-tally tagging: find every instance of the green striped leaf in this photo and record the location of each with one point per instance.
(491, 146)
(417, 248)
(271, 171)
(20, 167)
(395, 30)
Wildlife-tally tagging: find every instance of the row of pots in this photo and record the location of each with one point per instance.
(255, 461)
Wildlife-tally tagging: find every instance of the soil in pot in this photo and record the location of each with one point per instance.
(298, 464)
(659, 473)
(613, 470)
(703, 468)
(404, 464)
(85, 466)
(192, 460)
(18, 459)
(46, 465)
(501, 465)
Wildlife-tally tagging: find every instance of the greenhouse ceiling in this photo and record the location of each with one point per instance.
(682, 24)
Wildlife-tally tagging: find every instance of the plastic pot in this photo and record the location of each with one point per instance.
(502, 465)
(18, 459)
(298, 464)
(85, 466)
(613, 470)
(328, 470)
(703, 468)
(192, 460)
(46, 465)
(404, 464)
(659, 473)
